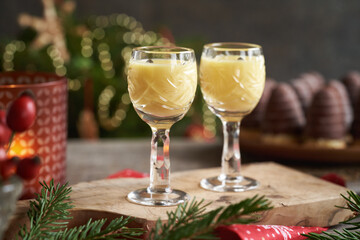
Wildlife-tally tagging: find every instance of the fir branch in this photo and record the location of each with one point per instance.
(352, 204)
(48, 213)
(95, 230)
(48, 216)
(195, 224)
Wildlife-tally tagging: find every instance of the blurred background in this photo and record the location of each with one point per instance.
(297, 37)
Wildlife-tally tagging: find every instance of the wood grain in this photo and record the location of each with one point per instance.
(298, 198)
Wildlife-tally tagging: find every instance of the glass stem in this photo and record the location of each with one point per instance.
(160, 162)
(231, 159)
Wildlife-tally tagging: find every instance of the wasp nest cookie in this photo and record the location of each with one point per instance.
(283, 119)
(345, 102)
(306, 86)
(325, 126)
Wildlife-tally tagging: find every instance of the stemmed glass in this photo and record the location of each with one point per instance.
(232, 77)
(162, 83)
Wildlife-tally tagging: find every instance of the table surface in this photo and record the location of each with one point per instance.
(93, 160)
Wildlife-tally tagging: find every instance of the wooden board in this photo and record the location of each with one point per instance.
(251, 143)
(298, 198)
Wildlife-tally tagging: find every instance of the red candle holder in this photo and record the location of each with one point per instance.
(47, 137)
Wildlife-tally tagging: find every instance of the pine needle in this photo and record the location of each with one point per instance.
(348, 233)
(49, 213)
(95, 230)
(189, 221)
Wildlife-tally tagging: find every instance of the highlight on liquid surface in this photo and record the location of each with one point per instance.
(162, 87)
(232, 83)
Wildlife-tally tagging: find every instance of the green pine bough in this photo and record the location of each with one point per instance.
(49, 215)
(352, 232)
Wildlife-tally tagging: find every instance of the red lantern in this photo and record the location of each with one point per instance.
(47, 136)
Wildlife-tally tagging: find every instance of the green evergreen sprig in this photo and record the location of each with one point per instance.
(190, 222)
(352, 232)
(49, 213)
(95, 230)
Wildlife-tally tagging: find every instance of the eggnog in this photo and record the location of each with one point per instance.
(162, 87)
(231, 83)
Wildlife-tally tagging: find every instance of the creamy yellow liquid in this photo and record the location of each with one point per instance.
(232, 85)
(163, 88)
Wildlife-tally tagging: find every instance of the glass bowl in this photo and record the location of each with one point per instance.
(10, 191)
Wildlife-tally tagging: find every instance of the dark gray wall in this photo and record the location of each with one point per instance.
(297, 36)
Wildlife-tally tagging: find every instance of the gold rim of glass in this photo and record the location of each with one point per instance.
(233, 46)
(163, 49)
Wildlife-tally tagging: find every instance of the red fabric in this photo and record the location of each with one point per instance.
(128, 173)
(334, 178)
(265, 232)
(244, 232)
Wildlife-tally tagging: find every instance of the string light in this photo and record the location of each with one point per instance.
(57, 60)
(99, 33)
(125, 99)
(112, 19)
(102, 21)
(20, 46)
(74, 84)
(105, 97)
(86, 44)
(120, 19)
(8, 56)
(126, 21)
(127, 37)
(132, 23)
(105, 60)
(61, 71)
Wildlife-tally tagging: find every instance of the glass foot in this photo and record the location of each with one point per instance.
(240, 185)
(143, 197)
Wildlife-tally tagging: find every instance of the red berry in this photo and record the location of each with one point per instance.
(22, 113)
(5, 134)
(29, 168)
(8, 167)
(2, 116)
(2, 154)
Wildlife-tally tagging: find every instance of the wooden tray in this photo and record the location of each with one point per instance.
(251, 143)
(298, 198)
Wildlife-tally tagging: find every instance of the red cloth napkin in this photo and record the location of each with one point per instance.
(243, 232)
(265, 232)
(334, 178)
(128, 173)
